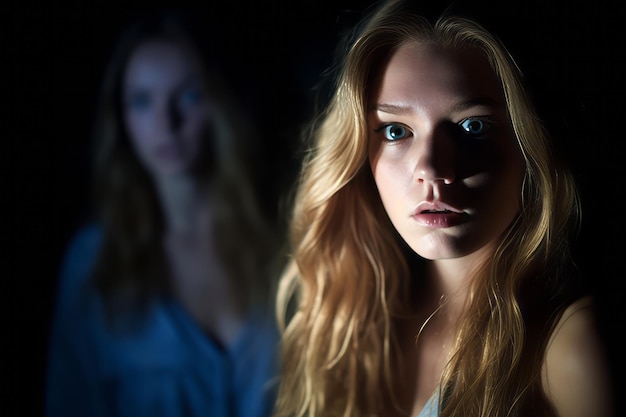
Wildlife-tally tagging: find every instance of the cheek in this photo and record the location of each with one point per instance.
(140, 127)
(196, 137)
(501, 200)
(510, 172)
(196, 123)
(389, 178)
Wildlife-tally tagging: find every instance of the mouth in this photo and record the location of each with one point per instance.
(168, 151)
(438, 215)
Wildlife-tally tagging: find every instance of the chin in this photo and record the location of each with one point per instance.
(172, 171)
(439, 250)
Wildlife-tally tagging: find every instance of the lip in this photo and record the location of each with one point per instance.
(438, 215)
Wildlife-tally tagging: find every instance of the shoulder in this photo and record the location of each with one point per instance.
(82, 248)
(575, 373)
(72, 316)
(86, 238)
(78, 260)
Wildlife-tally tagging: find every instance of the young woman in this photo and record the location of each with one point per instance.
(165, 306)
(431, 233)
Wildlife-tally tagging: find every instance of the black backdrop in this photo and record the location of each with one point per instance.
(573, 56)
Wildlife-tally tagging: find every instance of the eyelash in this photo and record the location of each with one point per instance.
(487, 123)
(388, 125)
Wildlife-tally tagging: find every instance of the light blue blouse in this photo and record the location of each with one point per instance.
(162, 366)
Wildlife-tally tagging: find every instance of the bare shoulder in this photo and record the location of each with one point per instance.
(575, 373)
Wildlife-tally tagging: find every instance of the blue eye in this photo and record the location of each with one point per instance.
(475, 127)
(190, 97)
(139, 101)
(393, 132)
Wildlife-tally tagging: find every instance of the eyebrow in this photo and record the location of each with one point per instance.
(401, 109)
(476, 102)
(390, 108)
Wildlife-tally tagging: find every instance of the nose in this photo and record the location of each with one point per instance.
(169, 118)
(435, 157)
(174, 117)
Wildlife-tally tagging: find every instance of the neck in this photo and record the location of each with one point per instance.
(449, 282)
(185, 204)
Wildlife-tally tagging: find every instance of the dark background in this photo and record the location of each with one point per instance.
(573, 56)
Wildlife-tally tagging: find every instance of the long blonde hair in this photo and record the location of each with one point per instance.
(351, 271)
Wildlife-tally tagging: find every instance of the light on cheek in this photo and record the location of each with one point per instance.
(476, 181)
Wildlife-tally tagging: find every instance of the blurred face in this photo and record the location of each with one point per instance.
(165, 107)
(445, 160)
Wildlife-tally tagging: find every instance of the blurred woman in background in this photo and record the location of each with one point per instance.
(165, 299)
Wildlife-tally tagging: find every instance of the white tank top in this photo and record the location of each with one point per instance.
(431, 408)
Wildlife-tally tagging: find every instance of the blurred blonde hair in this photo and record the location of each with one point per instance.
(350, 272)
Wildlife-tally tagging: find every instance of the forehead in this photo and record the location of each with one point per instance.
(423, 74)
(161, 62)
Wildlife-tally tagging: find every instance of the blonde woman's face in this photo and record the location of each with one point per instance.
(445, 160)
(165, 107)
